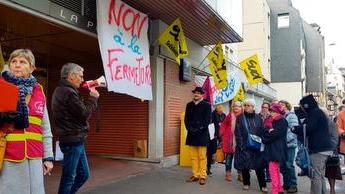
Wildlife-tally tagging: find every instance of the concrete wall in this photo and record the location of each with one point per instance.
(256, 34)
(290, 91)
(286, 44)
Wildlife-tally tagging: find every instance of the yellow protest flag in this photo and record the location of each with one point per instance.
(174, 40)
(240, 95)
(2, 61)
(218, 67)
(252, 69)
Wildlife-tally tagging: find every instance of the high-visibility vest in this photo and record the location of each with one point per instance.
(22, 144)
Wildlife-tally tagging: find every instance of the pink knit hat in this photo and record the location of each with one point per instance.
(275, 107)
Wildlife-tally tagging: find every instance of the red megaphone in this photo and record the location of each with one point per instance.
(100, 82)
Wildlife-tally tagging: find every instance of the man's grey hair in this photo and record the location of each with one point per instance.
(69, 68)
(250, 101)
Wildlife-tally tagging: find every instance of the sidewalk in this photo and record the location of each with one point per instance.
(172, 181)
(104, 171)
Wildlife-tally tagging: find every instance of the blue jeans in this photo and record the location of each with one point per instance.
(228, 162)
(288, 169)
(75, 169)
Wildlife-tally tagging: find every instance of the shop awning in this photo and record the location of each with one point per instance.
(201, 22)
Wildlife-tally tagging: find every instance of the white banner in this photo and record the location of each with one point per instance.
(124, 46)
(229, 92)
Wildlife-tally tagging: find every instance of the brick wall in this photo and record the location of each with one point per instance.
(177, 95)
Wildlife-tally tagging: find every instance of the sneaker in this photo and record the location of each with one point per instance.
(192, 179)
(292, 190)
(264, 190)
(202, 181)
(208, 172)
(246, 187)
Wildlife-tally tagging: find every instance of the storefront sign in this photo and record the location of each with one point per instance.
(80, 14)
(71, 17)
(124, 46)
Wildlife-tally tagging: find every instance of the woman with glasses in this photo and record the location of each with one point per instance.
(249, 124)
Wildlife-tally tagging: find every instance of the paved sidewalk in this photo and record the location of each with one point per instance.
(172, 181)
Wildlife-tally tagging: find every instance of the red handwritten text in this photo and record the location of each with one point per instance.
(134, 21)
(138, 74)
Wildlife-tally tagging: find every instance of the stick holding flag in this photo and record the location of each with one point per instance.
(174, 40)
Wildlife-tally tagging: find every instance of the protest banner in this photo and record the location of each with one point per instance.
(240, 95)
(174, 40)
(124, 47)
(219, 96)
(252, 70)
(217, 66)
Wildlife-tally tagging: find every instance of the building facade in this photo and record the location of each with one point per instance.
(257, 40)
(65, 31)
(287, 51)
(315, 62)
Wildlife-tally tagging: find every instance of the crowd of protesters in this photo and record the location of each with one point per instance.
(268, 143)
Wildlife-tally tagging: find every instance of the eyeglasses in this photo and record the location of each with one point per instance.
(247, 105)
(265, 107)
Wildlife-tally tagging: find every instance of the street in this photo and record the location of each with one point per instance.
(172, 181)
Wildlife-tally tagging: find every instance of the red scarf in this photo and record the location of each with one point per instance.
(269, 120)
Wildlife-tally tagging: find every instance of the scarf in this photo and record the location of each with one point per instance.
(25, 87)
(268, 123)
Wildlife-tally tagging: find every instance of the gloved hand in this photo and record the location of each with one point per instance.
(8, 117)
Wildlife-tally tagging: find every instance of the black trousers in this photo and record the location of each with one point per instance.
(260, 174)
(211, 149)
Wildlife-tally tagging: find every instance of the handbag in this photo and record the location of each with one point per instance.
(219, 156)
(302, 157)
(333, 160)
(253, 141)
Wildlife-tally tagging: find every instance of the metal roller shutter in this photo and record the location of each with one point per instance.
(123, 119)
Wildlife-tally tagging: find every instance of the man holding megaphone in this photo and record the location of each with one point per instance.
(70, 115)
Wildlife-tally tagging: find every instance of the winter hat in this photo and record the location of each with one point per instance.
(277, 108)
(308, 102)
(198, 89)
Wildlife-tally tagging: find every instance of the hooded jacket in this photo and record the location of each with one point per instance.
(319, 139)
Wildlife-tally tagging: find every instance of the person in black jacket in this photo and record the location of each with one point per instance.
(70, 115)
(274, 139)
(217, 118)
(197, 118)
(246, 158)
(319, 141)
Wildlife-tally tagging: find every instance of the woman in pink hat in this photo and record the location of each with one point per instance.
(274, 139)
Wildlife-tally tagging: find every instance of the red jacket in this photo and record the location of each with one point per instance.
(226, 132)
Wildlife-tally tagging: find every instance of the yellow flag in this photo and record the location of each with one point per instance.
(2, 61)
(174, 40)
(240, 95)
(218, 67)
(252, 69)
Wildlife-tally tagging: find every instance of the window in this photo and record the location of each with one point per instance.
(283, 20)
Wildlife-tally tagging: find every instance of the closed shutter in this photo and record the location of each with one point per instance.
(123, 119)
